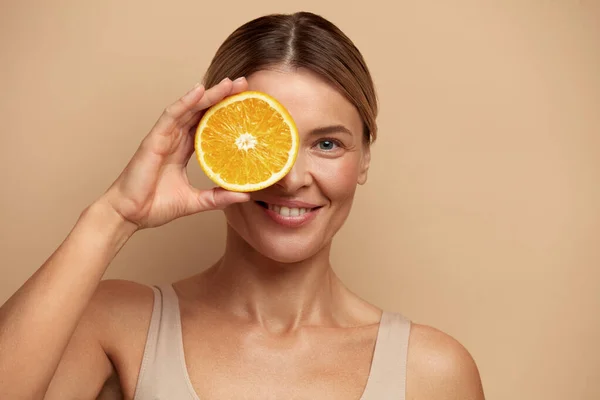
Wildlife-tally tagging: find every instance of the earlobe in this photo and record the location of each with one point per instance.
(362, 179)
(364, 167)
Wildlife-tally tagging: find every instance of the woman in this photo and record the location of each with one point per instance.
(270, 319)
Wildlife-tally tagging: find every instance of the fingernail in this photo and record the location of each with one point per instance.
(238, 80)
(225, 79)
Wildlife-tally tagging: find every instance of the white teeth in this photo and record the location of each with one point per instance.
(287, 211)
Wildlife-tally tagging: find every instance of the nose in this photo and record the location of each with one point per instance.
(298, 177)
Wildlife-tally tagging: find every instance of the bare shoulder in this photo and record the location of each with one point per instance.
(440, 368)
(123, 292)
(115, 298)
(120, 305)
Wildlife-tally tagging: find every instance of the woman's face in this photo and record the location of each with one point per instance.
(298, 216)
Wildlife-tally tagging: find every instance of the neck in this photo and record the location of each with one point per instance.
(278, 296)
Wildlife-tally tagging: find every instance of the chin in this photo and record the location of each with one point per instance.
(282, 248)
(288, 251)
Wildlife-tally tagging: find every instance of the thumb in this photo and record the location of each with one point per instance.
(213, 199)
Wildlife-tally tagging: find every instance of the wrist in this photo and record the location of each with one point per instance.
(107, 223)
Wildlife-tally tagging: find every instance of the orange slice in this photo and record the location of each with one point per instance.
(246, 142)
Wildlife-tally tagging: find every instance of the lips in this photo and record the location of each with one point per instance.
(292, 214)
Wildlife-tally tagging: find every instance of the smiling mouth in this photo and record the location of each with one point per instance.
(286, 211)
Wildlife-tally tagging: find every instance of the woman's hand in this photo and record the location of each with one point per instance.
(154, 188)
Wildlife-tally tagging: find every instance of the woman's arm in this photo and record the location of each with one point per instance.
(40, 319)
(37, 322)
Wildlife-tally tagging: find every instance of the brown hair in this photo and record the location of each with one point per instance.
(300, 40)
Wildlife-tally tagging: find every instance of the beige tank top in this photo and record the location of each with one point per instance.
(163, 374)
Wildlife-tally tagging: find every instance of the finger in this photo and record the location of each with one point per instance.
(184, 154)
(213, 199)
(210, 98)
(173, 113)
(214, 95)
(237, 86)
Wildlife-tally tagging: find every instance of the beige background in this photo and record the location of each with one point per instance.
(482, 213)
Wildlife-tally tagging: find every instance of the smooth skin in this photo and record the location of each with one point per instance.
(65, 334)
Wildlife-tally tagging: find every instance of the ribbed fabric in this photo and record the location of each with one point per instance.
(163, 374)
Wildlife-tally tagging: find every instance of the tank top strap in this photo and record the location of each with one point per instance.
(163, 373)
(387, 379)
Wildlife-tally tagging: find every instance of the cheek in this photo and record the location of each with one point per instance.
(338, 177)
(234, 214)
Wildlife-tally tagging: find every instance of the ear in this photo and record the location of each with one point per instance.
(365, 162)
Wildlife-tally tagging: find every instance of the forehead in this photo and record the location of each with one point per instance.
(310, 100)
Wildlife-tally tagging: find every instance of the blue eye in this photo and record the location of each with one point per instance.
(327, 145)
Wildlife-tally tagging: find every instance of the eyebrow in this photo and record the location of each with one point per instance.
(325, 130)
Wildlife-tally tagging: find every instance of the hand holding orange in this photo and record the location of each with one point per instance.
(154, 188)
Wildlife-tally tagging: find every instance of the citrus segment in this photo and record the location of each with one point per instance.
(246, 142)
